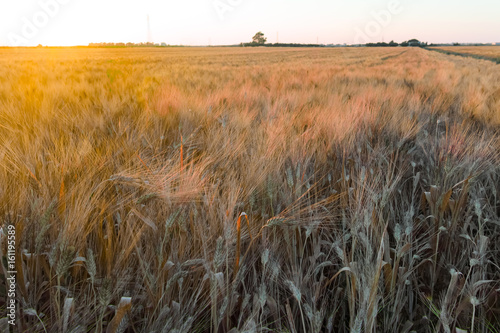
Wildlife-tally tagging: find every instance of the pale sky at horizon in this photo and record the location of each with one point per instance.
(198, 22)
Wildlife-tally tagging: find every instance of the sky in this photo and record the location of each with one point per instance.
(224, 22)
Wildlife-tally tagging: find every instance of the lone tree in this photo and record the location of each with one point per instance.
(414, 42)
(259, 38)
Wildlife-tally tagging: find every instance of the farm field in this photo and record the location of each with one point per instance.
(485, 52)
(251, 189)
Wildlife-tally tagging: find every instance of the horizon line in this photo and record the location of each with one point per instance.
(163, 44)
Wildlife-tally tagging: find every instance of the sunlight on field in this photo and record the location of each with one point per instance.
(370, 179)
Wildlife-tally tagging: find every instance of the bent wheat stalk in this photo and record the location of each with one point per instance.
(238, 241)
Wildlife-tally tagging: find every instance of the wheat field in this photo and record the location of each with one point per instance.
(481, 52)
(251, 190)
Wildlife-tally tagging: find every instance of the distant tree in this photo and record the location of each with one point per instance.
(413, 42)
(393, 43)
(379, 44)
(259, 38)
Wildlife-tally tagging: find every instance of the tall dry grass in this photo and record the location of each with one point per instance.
(236, 190)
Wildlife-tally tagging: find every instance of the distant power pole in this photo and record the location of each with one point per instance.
(150, 35)
(317, 40)
(277, 37)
